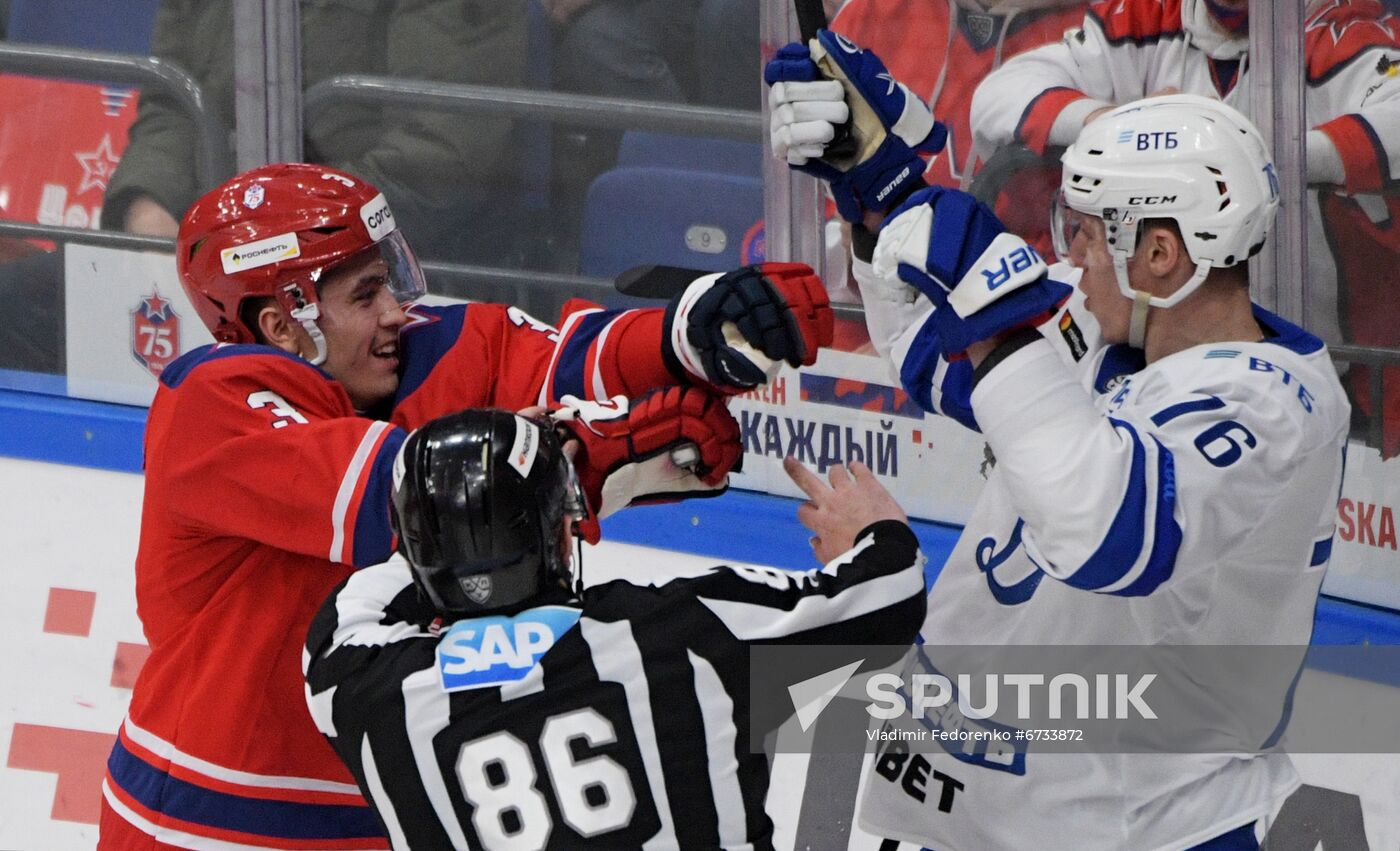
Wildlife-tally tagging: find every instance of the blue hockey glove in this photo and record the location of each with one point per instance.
(982, 280)
(889, 123)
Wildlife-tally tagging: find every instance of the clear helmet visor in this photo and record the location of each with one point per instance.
(405, 277)
(1065, 224)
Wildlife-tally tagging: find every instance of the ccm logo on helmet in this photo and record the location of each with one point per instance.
(1150, 200)
(378, 218)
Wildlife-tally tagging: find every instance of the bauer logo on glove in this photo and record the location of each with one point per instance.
(890, 124)
(981, 280)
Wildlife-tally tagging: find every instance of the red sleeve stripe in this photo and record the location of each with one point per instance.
(1034, 127)
(1364, 157)
(347, 499)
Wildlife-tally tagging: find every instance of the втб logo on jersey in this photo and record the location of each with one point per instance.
(496, 650)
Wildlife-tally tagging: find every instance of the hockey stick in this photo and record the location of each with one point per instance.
(811, 16)
(656, 281)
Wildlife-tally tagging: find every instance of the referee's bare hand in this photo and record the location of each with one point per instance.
(836, 514)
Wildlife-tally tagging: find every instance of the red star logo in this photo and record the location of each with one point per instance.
(155, 305)
(97, 165)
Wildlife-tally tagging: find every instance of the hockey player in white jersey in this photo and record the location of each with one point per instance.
(1175, 484)
(480, 703)
(1127, 49)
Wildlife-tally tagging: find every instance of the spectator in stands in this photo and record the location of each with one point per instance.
(684, 51)
(1126, 49)
(676, 51)
(438, 168)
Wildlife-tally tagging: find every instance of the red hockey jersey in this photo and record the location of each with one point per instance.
(264, 488)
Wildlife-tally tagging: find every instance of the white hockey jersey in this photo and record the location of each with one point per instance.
(1129, 49)
(1187, 502)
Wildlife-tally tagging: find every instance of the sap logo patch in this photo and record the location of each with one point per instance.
(378, 218)
(497, 650)
(263, 252)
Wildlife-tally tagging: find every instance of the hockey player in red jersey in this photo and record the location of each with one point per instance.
(269, 457)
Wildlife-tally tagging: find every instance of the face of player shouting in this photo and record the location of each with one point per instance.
(361, 320)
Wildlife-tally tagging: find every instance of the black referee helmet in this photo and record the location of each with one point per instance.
(479, 500)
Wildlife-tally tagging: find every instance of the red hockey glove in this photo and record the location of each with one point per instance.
(668, 445)
(732, 330)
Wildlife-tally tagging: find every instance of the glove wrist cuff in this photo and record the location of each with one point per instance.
(1013, 342)
(668, 351)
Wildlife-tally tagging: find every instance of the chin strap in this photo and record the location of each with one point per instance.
(1137, 324)
(306, 316)
(578, 565)
(1142, 302)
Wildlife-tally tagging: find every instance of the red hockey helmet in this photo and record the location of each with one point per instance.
(275, 231)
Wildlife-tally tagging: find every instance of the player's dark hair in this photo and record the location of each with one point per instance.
(248, 314)
(1168, 225)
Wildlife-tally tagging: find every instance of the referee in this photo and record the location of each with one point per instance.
(481, 703)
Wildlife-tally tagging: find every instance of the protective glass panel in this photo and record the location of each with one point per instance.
(1352, 107)
(943, 52)
(534, 149)
(71, 84)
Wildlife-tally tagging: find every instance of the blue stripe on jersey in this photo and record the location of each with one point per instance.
(1118, 360)
(917, 373)
(374, 538)
(1286, 334)
(571, 371)
(956, 402)
(158, 791)
(1166, 534)
(1287, 714)
(1127, 534)
(423, 343)
(179, 369)
(1171, 412)
(1322, 551)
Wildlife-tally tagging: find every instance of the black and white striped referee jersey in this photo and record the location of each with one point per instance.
(619, 722)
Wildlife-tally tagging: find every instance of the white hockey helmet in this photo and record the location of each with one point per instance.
(1187, 158)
